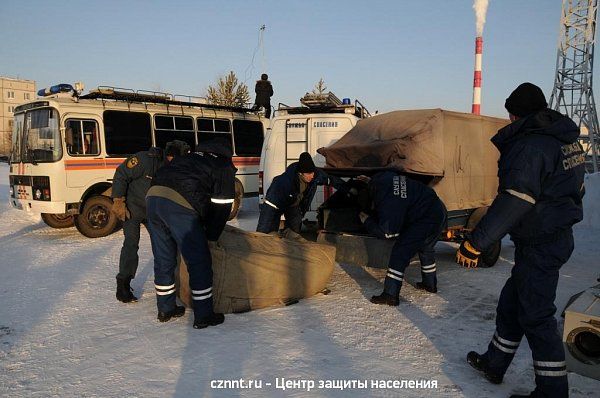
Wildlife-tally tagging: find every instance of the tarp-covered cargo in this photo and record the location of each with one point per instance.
(452, 147)
(254, 270)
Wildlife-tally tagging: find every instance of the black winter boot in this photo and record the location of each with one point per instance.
(479, 363)
(212, 320)
(174, 313)
(422, 286)
(124, 291)
(385, 298)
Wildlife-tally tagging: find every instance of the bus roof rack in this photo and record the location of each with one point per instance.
(155, 97)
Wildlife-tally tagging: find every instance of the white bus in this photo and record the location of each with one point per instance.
(66, 148)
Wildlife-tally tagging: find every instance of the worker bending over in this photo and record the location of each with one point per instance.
(130, 184)
(409, 212)
(291, 194)
(188, 205)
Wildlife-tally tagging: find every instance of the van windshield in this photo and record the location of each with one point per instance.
(36, 137)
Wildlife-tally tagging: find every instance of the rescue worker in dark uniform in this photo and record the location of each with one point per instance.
(291, 194)
(264, 92)
(130, 183)
(541, 173)
(411, 213)
(188, 205)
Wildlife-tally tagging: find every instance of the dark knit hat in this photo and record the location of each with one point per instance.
(177, 148)
(306, 164)
(526, 99)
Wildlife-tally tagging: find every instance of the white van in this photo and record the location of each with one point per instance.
(294, 130)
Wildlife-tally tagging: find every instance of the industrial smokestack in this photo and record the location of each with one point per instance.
(480, 7)
(476, 108)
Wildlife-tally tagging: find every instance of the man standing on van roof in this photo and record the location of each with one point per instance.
(411, 213)
(264, 92)
(291, 194)
(188, 205)
(541, 171)
(130, 183)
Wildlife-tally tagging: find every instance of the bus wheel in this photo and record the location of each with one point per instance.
(237, 203)
(58, 220)
(490, 257)
(96, 220)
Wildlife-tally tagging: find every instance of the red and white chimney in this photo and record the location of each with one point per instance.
(476, 108)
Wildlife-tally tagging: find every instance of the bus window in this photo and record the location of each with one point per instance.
(208, 127)
(169, 128)
(126, 132)
(248, 137)
(82, 137)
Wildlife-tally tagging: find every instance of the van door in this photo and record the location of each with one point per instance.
(324, 131)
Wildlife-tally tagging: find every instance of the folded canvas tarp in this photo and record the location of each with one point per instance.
(452, 147)
(252, 270)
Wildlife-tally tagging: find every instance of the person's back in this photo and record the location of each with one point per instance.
(133, 177)
(551, 138)
(264, 92)
(399, 200)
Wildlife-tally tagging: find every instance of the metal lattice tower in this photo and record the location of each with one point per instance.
(572, 94)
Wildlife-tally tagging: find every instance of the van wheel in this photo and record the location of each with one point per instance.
(96, 219)
(58, 220)
(490, 257)
(237, 203)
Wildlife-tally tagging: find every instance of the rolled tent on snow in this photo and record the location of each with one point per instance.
(454, 148)
(253, 270)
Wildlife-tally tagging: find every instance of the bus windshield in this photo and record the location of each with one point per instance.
(36, 137)
(17, 135)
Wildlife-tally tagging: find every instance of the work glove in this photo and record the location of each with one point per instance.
(467, 255)
(363, 217)
(363, 178)
(119, 209)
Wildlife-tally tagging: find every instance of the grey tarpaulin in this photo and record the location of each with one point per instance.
(453, 147)
(254, 270)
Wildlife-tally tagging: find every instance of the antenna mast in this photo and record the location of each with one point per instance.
(572, 94)
(261, 43)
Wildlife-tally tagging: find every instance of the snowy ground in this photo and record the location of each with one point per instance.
(62, 333)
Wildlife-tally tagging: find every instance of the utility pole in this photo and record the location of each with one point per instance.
(572, 94)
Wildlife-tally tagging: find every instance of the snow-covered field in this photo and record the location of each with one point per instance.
(62, 333)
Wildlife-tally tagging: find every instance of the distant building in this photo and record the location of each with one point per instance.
(13, 92)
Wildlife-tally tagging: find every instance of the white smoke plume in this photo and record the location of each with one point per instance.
(480, 7)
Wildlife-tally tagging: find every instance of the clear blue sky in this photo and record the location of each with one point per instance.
(395, 54)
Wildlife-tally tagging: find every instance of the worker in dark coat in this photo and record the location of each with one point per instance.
(130, 183)
(541, 174)
(264, 92)
(291, 194)
(188, 205)
(410, 213)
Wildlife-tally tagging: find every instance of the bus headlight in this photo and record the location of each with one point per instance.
(38, 194)
(11, 191)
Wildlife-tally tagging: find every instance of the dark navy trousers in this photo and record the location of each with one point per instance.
(128, 261)
(418, 238)
(268, 220)
(173, 227)
(526, 307)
